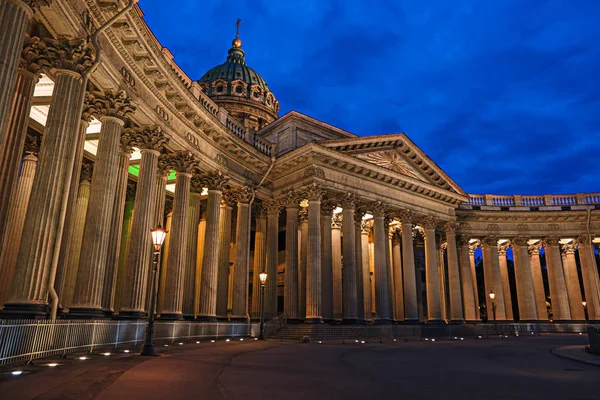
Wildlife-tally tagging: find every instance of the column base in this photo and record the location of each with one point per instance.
(25, 311)
(131, 314)
(170, 316)
(350, 321)
(436, 322)
(108, 313)
(313, 320)
(239, 318)
(457, 321)
(206, 318)
(222, 319)
(383, 321)
(85, 313)
(294, 321)
(189, 317)
(412, 321)
(531, 321)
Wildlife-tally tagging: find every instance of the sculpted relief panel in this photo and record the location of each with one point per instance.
(390, 159)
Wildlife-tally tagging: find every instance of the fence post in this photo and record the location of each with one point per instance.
(217, 330)
(66, 339)
(202, 332)
(35, 340)
(173, 334)
(93, 336)
(135, 339)
(189, 331)
(117, 336)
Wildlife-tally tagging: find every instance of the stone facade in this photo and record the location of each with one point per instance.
(349, 229)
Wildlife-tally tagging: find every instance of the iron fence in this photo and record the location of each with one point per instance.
(26, 340)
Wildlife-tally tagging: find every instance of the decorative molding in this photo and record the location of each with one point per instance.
(313, 192)
(215, 180)
(451, 226)
(110, 103)
(271, 206)
(337, 221)
(291, 199)
(145, 138)
(182, 161)
(243, 194)
(428, 222)
(519, 241)
(34, 56)
(379, 209)
(74, 55)
(314, 172)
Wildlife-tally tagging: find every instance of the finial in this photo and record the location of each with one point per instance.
(237, 42)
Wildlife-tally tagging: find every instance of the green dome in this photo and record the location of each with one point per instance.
(235, 69)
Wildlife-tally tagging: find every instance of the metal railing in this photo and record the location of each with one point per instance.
(26, 340)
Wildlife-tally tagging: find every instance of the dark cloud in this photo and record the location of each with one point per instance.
(504, 96)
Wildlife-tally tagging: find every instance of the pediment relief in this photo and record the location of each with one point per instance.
(392, 160)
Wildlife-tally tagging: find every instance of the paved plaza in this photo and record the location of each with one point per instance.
(508, 368)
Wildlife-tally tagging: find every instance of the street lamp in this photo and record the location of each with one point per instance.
(584, 303)
(263, 278)
(492, 297)
(158, 237)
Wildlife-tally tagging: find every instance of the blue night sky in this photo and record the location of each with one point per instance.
(503, 95)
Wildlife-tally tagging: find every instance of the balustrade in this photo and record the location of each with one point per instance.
(533, 201)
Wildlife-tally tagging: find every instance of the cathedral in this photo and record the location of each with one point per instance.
(103, 137)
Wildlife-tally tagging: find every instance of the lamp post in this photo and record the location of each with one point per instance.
(263, 278)
(584, 303)
(492, 297)
(158, 237)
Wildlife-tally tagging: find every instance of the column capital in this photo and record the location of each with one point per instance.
(164, 167)
(259, 211)
(396, 236)
(303, 215)
(291, 199)
(242, 194)
(110, 103)
(32, 144)
(583, 239)
(519, 241)
(228, 199)
(387, 219)
(314, 192)
(550, 241)
(451, 226)
(147, 137)
(86, 173)
(73, 55)
(406, 216)
(365, 227)
(37, 4)
(567, 248)
(327, 207)
(131, 187)
(348, 200)
(34, 57)
(181, 161)
(379, 209)
(473, 246)
(428, 222)
(534, 249)
(215, 180)
(462, 240)
(502, 248)
(489, 241)
(336, 221)
(272, 206)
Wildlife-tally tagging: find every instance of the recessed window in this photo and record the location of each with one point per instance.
(220, 89)
(256, 95)
(269, 101)
(239, 89)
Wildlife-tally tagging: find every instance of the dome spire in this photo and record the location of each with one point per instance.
(235, 53)
(237, 42)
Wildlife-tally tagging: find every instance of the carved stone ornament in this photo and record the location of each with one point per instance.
(406, 216)
(182, 161)
(379, 209)
(228, 199)
(243, 194)
(489, 241)
(86, 172)
(336, 221)
(390, 159)
(492, 227)
(551, 241)
(73, 55)
(314, 172)
(303, 215)
(111, 103)
(291, 199)
(33, 57)
(365, 227)
(87, 110)
(567, 248)
(451, 226)
(196, 184)
(583, 240)
(519, 241)
(148, 137)
(313, 192)
(348, 200)
(164, 165)
(359, 213)
(502, 248)
(534, 249)
(396, 236)
(32, 144)
(259, 211)
(37, 4)
(215, 180)
(272, 206)
(387, 220)
(428, 222)
(130, 193)
(327, 206)
(462, 240)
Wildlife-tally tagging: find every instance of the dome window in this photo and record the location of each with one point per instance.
(269, 100)
(239, 89)
(220, 89)
(256, 95)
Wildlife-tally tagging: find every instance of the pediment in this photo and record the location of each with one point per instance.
(393, 160)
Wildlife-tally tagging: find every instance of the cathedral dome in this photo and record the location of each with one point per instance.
(240, 89)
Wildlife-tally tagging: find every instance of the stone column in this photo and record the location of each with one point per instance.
(67, 288)
(525, 292)
(589, 272)
(472, 248)
(113, 108)
(434, 305)
(454, 284)
(124, 245)
(466, 280)
(242, 254)
(493, 278)
(43, 224)
(365, 228)
(303, 219)
(31, 62)
(150, 141)
(389, 268)
(380, 233)
(14, 225)
(360, 291)
(327, 278)
(227, 203)
(273, 208)
(290, 302)
(191, 279)
(572, 281)
(411, 307)
(260, 253)
(314, 307)
(558, 287)
(398, 286)
(336, 265)
(349, 285)
(14, 20)
(116, 229)
(184, 164)
(215, 182)
(505, 281)
(538, 281)
(199, 255)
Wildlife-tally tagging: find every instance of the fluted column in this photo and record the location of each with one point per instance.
(389, 268)
(434, 305)
(380, 233)
(260, 253)
(43, 224)
(116, 230)
(492, 277)
(31, 62)
(365, 228)
(273, 208)
(215, 182)
(349, 285)
(538, 281)
(14, 20)
(124, 244)
(290, 290)
(150, 141)
(314, 307)
(360, 291)
(114, 108)
(14, 225)
(472, 247)
(466, 281)
(199, 255)
(67, 288)
(411, 307)
(336, 265)
(572, 281)
(227, 203)
(505, 281)
(241, 271)
(327, 278)
(303, 220)
(559, 296)
(164, 259)
(190, 281)
(454, 283)
(525, 292)
(398, 286)
(589, 272)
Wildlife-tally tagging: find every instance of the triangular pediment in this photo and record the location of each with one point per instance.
(397, 153)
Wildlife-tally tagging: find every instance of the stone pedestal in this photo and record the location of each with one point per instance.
(556, 279)
(290, 302)
(241, 271)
